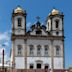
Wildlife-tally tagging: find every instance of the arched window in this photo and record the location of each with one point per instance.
(31, 50)
(57, 23)
(57, 50)
(19, 50)
(19, 21)
(46, 50)
(38, 50)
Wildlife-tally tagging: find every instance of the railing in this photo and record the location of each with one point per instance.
(32, 70)
(42, 70)
(37, 70)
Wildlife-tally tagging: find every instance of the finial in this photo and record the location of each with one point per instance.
(18, 6)
(54, 8)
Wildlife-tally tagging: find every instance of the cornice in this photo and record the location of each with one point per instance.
(16, 14)
(37, 37)
(57, 15)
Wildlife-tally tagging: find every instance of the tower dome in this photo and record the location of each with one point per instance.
(18, 10)
(54, 12)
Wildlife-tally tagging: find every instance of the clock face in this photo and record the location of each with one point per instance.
(19, 29)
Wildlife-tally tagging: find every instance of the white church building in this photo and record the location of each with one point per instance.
(41, 49)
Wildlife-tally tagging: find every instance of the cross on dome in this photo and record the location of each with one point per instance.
(38, 18)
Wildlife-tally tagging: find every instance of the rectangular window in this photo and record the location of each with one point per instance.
(46, 50)
(19, 21)
(19, 50)
(57, 53)
(31, 50)
(38, 66)
(46, 53)
(57, 50)
(39, 50)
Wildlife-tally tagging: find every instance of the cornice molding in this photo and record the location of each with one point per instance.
(37, 37)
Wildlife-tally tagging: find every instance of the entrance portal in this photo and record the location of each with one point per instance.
(38, 66)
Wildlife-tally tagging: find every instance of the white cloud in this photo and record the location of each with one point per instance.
(7, 44)
(4, 40)
(4, 36)
(29, 24)
(8, 32)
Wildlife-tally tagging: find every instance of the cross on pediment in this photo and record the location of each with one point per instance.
(38, 18)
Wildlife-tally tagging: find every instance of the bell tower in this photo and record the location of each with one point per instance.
(55, 23)
(19, 21)
(18, 43)
(55, 29)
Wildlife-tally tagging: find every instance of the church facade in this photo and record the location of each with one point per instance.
(42, 47)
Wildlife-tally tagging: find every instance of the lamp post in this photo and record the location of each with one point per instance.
(3, 60)
(3, 69)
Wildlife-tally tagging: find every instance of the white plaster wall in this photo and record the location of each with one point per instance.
(43, 32)
(58, 63)
(33, 32)
(19, 30)
(19, 62)
(54, 33)
(57, 42)
(32, 60)
(37, 42)
(48, 27)
(19, 42)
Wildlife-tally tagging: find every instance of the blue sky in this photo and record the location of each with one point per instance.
(36, 8)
